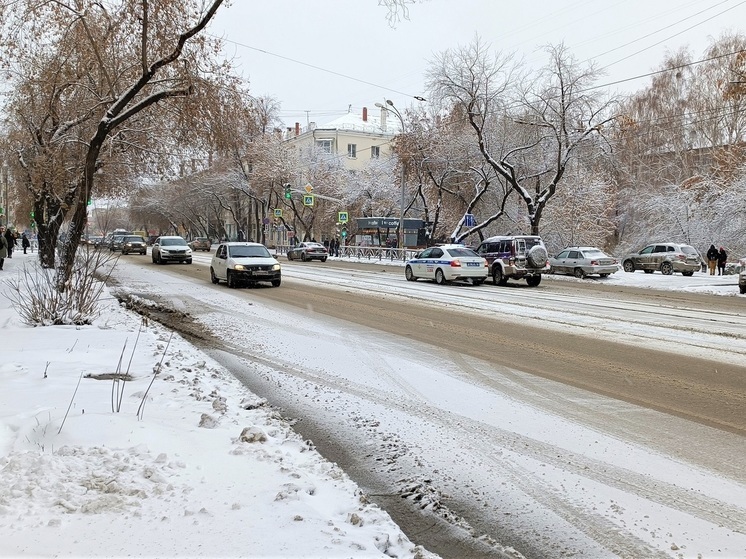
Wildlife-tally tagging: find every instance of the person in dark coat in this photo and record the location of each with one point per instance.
(722, 260)
(332, 244)
(25, 243)
(10, 238)
(3, 247)
(712, 259)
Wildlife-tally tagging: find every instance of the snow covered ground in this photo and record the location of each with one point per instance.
(193, 465)
(208, 469)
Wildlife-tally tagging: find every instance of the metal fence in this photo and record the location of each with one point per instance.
(372, 254)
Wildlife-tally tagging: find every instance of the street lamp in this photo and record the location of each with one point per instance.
(393, 109)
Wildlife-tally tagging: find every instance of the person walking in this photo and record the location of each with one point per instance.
(722, 259)
(331, 247)
(3, 247)
(25, 243)
(10, 239)
(712, 259)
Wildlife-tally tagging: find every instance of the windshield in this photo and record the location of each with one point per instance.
(249, 252)
(462, 252)
(173, 242)
(686, 249)
(134, 239)
(594, 254)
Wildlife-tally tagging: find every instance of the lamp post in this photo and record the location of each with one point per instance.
(393, 109)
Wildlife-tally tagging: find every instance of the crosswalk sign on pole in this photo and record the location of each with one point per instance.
(278, 212)
(308, 200)
(343, 217)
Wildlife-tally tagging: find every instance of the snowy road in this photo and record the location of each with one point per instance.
(513, 459)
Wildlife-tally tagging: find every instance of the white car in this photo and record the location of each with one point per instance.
(244, 263)
(171, 249)
(583, 261)
(447, 263)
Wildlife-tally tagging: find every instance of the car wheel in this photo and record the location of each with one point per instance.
(213, 278)
(666, 268)
(303, 256)
(743, 289)
(537, 256)
(440, 277)
(290, 256)
(160, 260)
(323, 259)
(628, 266)
(124, 252)
(578, 273)
(604, 275)
(497, 276)
(231, 279)
(189, 261)
(533, 281)
(276, 283)
(687, 274)
(479, 281)
(409, 274)
(152, 257)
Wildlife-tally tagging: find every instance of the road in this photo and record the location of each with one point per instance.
(662, 372)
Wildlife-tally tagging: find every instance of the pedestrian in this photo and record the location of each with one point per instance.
(722, 259)
(3, 247)
(25, 243)
(712, 259)
(10, 239)
(331, 247)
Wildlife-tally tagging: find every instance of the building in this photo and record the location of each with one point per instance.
(353, 138)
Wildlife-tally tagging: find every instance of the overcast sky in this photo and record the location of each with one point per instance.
(319, 58)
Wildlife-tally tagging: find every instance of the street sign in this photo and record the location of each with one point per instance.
(308, 199)
(309, 188)
(343, 217)
(278, 212)
(469, 220)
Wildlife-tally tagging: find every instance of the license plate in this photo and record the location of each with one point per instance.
(472, 264)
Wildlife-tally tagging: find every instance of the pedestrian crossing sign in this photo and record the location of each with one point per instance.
(308, 200)
(278, 212)
(343, 217)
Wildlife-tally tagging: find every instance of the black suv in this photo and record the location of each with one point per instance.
(515, 257)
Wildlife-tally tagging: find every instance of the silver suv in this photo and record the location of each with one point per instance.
(515, 257)
(666, 257)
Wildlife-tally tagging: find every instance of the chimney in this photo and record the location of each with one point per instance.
(365, 114)
(297, 128)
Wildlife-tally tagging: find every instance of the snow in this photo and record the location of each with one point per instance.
(210, 469)
(205, 469)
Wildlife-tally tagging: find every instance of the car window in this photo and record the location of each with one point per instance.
(686, 249)
(220, 252)
(531, 242)
(249, 252)
(563, 254)
(462, 252)
(660, 248)
(426, 253)
(647, 249)
(436, 253)
(573, 254)
(594, 254)
(173, 242)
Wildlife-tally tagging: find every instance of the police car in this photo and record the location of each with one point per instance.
(446, 263)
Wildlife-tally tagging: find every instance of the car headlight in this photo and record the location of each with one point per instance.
(275, 267)
(239, 267)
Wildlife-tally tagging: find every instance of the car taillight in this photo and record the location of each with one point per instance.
(455, 263)
(594, 262)
(681, 256)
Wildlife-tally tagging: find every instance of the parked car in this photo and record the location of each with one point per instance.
(308, 250)
(115, 244)
(446, 263)
(133, 243)
(665, 257)
(515, 257)
(171, 249)
(239, 263)
(201, 243)
(742, 277)
(583, 261)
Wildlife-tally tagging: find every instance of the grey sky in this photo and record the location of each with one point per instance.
(277, 44)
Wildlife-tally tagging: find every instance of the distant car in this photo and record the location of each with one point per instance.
(171, 249)
(115, 244)
(133, 243)
(446, 263)
(742, 277)
(308, 250)
(583, 261)
(201, 243)
(664, 257)
(239, 263)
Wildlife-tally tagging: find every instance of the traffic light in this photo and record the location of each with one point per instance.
(344, 232)
(288, 193)
(32, 215)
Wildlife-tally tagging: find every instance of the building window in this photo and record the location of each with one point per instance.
(375, 152)
(324, 145)
(352, 150)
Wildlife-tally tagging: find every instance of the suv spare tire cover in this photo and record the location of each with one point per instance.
(537, 256)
